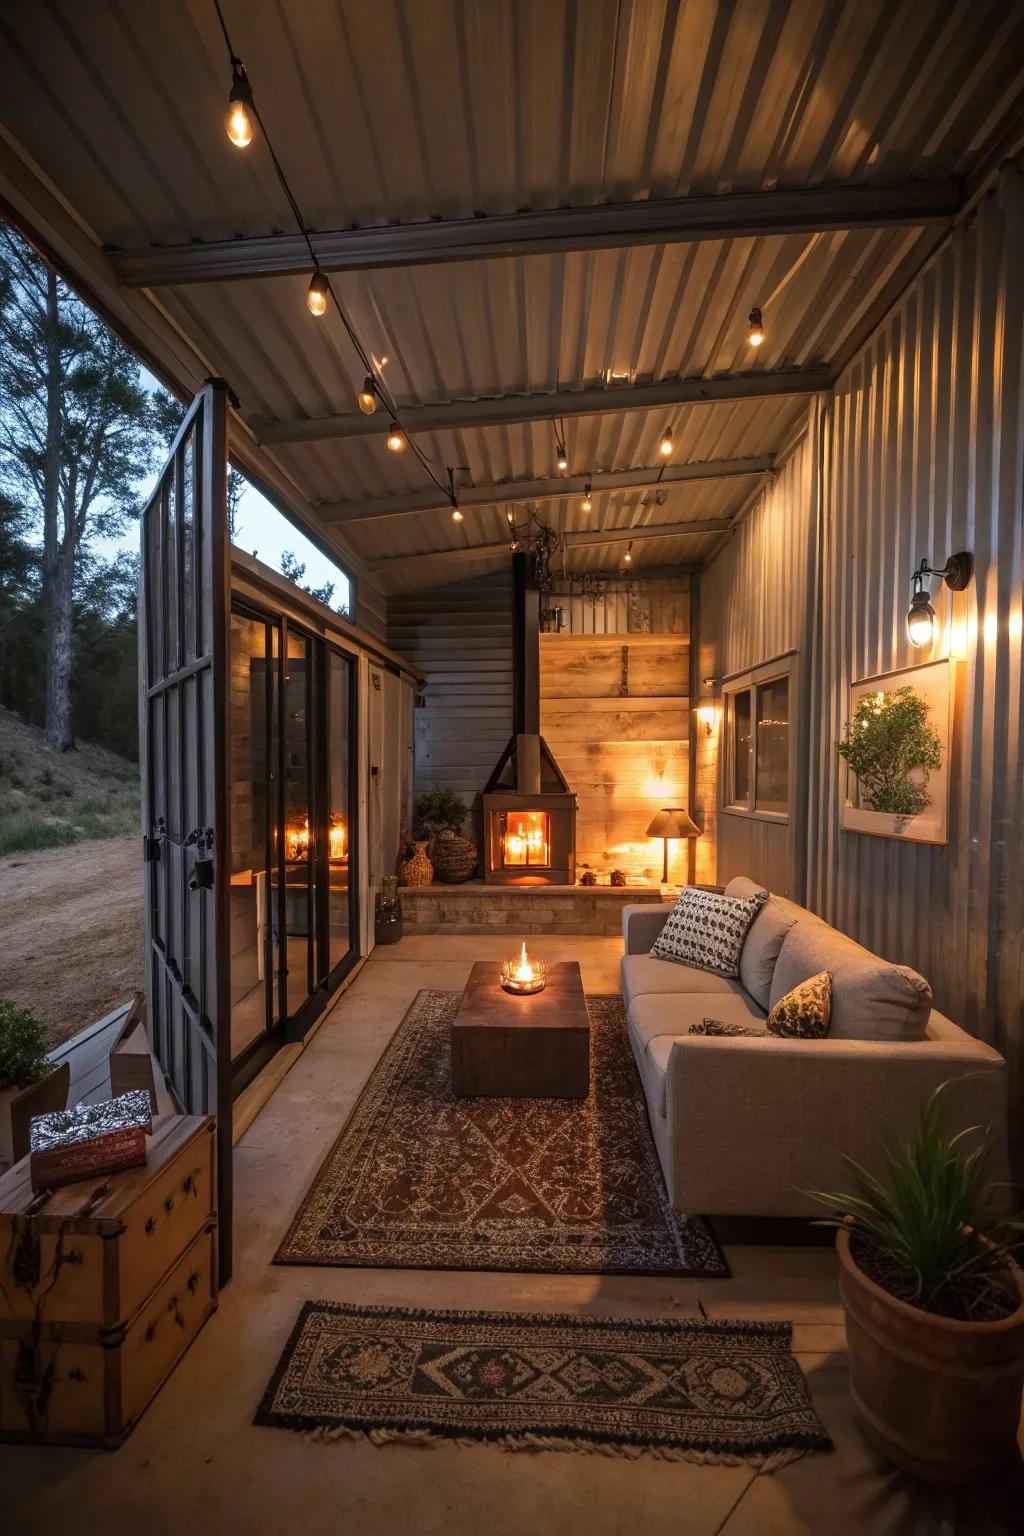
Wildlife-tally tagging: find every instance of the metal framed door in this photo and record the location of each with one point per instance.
(183, 734)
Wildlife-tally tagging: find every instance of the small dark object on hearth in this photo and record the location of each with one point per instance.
(617, 877)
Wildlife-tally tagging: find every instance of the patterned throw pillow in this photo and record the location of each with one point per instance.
(805, 1012)
(719, 1027)
(707, 930)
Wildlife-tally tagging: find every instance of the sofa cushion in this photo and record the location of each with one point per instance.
(656, 1021)
(804, 1013)
(871, 998)
(764, 939)
(707, 930)
(643, 973)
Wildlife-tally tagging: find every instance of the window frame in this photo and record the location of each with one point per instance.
(748, 682)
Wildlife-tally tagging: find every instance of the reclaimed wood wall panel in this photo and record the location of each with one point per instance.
(460, 636)
(625, 754)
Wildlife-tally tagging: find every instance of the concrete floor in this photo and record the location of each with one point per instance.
(196, 1464)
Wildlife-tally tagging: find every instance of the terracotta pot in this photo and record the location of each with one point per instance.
(453, 858)
(417, 868)
(937, 1397)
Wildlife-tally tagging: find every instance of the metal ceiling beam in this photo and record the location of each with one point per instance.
(506, 410)
(573, 541)
(651, 221)
(548, 489)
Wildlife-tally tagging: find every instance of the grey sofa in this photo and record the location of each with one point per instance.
(751, 1126)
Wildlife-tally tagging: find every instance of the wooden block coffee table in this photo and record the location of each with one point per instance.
(522, 1047)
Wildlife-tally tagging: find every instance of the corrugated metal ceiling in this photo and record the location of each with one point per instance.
(406, 110)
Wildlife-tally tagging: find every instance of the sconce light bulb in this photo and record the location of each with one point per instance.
(316, 294)
(921, 620)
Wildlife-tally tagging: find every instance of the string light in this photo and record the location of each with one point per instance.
(755, 335)
(316, 294)
(627, 558)
(396, 438)
(587, 503)
(368, 396)
(239, 121)
(456, 515)
(665, 446)
(563, 459)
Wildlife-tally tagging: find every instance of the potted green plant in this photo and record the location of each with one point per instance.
(934, 1304)
(440, 814)
(22, 1063)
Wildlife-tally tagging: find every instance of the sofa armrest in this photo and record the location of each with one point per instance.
(641, 925)
(757, 1124)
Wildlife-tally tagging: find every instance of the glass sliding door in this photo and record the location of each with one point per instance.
(341, 760)
(294, 897)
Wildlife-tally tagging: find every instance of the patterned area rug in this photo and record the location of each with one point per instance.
(704, 1391)
(419, 1179)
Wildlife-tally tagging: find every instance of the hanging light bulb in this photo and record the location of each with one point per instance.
(665, 446)
(240, 107)
(563, 458)
(396, 438)
(316, 294)
(368, 396)
(509, 516)
(755, 335)
(456, 515)
(627, 558)
(587, 503)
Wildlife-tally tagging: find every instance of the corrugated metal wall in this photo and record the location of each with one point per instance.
(923, 456)
(926, 457)
(756, 603)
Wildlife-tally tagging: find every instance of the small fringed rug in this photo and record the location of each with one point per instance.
(728, 1392)
(420, 1179)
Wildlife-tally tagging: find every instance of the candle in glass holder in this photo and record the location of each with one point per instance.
(524, 975)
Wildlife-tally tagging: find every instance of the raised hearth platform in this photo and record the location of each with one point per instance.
(523, 910)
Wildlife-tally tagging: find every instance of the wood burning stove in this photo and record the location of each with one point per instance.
(529, 809)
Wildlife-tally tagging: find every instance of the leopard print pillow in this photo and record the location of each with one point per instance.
(719, 1027)
(804, 1013)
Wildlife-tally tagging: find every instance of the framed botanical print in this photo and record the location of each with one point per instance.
(894, 754)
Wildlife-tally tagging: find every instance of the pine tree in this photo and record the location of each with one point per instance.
(78, 431)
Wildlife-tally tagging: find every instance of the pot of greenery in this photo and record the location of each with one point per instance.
(440, 814)
(22, 1063)
(934, 1305)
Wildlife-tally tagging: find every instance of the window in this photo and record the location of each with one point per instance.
(758, 758)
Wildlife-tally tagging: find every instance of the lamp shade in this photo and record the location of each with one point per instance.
(674, 821)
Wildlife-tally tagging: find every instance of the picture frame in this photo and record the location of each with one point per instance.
(932, 682)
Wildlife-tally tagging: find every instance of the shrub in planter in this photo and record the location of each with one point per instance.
(934, 1306)
(22, 1062)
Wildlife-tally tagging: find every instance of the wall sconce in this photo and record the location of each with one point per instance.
(706, 716)
(956, 573)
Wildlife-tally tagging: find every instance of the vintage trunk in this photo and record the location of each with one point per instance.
(105, 1283)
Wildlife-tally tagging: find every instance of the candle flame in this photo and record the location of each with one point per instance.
(525, 969)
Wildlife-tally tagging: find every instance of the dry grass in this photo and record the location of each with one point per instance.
(50, 799)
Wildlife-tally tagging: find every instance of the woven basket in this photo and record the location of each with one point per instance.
(453, 857)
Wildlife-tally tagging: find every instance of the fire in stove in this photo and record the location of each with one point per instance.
(526, 840)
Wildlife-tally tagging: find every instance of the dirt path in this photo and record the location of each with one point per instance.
(71, 931)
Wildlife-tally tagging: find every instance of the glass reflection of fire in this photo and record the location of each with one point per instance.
(527, 840)
(297, 836)
(524, 975)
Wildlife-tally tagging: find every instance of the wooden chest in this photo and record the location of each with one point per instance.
(91, 1252)
(105, 1286)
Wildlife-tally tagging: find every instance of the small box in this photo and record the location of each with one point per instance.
(92, 1139)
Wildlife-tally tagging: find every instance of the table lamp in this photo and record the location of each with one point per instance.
(674, 821)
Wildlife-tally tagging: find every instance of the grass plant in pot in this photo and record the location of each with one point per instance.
(22, 1063)
(934, 1304)
(440, 814)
